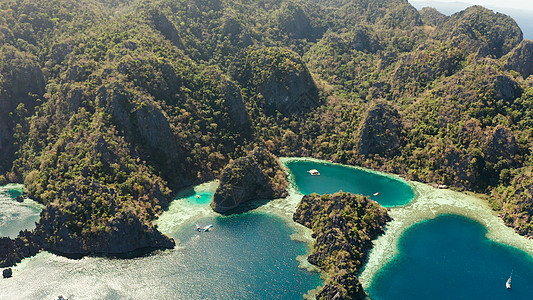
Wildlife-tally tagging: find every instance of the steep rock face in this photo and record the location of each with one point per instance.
(344, 226)
(479, 30)
(380, 131)
(293, 19)
(21, 83)
(520, 59)
(145, 121)
(254, 177)
(515, 202)
(281, 80)
(123, 233)
(167, 29)
(13, 251)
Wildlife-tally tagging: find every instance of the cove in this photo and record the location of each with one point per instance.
(449, 257)
(16, 216)
(335, 177)
(245, 256)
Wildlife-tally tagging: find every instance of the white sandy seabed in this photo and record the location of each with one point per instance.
(428, 203)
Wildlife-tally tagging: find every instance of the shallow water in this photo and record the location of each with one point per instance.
(244, 256)
(16, 216)
(450, 258)
(333, 178)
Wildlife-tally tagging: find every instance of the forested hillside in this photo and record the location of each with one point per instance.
(110, 106)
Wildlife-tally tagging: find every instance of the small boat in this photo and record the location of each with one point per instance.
(508, 282)
(198, 228)
(206, 228)
(376, 193)
(198, 196)
(314, 172)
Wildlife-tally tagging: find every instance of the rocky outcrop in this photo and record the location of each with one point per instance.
(257, 176)
(480, 31)
(344, 226)
(520, 59)
(381, 130)
(167, 29)
(7, 273)
(122, 233)
(21, 83)
(432, 17)
(13, 251)
(280, 79)
(293, 20)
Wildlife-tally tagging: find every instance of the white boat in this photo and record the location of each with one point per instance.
(206, 228)
(376, 193)
(314, 172)
(508, 283)
(198, 228)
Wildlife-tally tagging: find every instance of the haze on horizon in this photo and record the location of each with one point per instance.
(514, 4)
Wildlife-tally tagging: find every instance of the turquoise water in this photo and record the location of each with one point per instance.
(246, 256)
(204, 198)
(16, 216)
(450, 258)
(334, 178)
(249, 256)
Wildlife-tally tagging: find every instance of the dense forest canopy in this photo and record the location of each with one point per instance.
(110, 106)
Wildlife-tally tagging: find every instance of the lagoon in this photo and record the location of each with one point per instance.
(244, 256)
(450, 257)
(334, 177)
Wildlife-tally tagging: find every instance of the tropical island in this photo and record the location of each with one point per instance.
(110, 107)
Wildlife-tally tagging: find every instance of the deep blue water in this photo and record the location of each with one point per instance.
(248, 256)
(450, 258)
(334, 178)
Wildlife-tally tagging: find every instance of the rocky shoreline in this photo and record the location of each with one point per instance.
(255, 176)
(344, 226)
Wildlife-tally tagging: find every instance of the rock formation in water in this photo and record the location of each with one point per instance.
(13, 251)
(257, 176)
(7, 273)
(344, 226)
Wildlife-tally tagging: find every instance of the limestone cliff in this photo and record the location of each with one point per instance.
(279, 80)
(520, 59)
(380, 131)
(344, 226)
(257, 176)
(122, 233)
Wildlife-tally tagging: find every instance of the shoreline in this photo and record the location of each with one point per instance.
(429, 204)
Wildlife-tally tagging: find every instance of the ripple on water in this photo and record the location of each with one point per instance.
(449, 257)
(386, 189)
(16, 216)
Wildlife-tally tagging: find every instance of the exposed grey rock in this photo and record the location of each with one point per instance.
(257, 176)
(381, 130)
(7, 273)
(521, 59)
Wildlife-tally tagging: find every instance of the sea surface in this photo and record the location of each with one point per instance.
(449, 257)
(246, 256)
(333, 178)
(16, 216)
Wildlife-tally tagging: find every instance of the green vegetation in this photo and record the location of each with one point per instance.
(344, 226)
(257, 176)
(110, 106)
